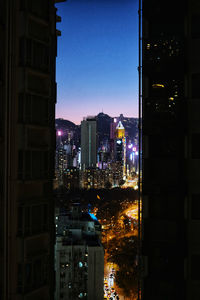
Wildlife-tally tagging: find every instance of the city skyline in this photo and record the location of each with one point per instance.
(97, 59)
(89, 115)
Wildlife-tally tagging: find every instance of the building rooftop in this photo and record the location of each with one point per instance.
(120, 125)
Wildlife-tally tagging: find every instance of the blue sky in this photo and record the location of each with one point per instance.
(97, 58)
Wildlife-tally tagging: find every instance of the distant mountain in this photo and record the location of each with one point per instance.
(68, 127)
(103, 127)
(65, 124)
(130, 125)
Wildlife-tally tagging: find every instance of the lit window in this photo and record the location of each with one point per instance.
(157, 85)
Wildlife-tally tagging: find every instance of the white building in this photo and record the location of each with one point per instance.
(79, 257)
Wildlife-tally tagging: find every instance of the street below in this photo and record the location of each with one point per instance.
(125, 228)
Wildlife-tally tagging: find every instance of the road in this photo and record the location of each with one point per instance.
(132, 211)
(109, 283)
(110, 268)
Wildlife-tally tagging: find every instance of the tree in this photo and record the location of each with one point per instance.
(121, 182)
(108, 185)
(123, 252)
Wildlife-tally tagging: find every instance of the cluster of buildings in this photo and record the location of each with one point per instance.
(96, 164)
(170, 257)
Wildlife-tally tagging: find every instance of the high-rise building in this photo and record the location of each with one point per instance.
(88, 143)
(171, 149)
(120, 146)
(71, 178)
(27, 139)
(79, 256)
(120, 131)
(60, 160)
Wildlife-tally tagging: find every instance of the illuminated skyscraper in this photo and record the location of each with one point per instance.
(88, 143)
(27, 108)
(171, 149)
(120, 146)
(120, 131)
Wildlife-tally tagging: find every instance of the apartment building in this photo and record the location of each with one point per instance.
(28, 39)
(79, 256)
(171, 149)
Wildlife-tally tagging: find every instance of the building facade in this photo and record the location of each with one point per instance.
(79, 256)
(27, 139)
(71, 178)
(171, 149)
(120, 146)
(88, 143)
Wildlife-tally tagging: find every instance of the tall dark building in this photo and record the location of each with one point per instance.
(27, 140)
(88, 143)
(171, 149)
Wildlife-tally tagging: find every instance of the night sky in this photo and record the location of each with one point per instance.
(97, 58)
